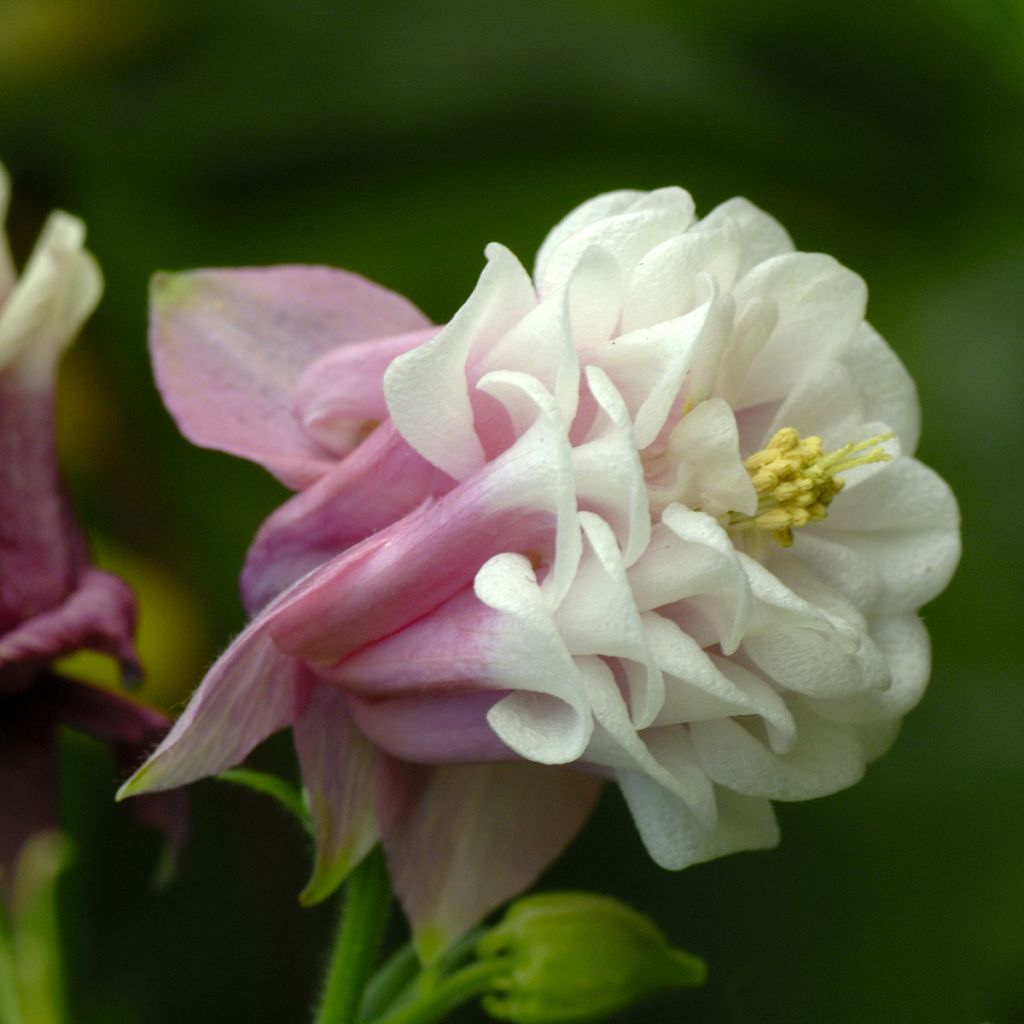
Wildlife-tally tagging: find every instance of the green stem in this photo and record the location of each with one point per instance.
(453, 991)
(389, 983)
(364, 916)
(10, 1007)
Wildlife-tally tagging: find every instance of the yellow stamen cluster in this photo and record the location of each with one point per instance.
(796, 482)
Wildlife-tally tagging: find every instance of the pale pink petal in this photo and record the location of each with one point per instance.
(341, 773)
(252, 691)
(229, 347)
(381, 481)
(462, 840)
(522, 501)
(426, 389)
(497, 637)
(433, 727)
(340, 396)
(98, 614)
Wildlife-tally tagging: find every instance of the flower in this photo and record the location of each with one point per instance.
(52, 600)
(651, 516)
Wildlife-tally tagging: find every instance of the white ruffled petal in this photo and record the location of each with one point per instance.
(649, 365)
(665, 284)
(903, 641)
(673, 836)
(598, 616)
(826, 758)
(804, 647)
(820, 304)
(701, 465)
(546, 718)
(608, 472)
(700, 686)
(903, 527)
(426, 389)
(761, 235)
(627, 235)
(692, 560)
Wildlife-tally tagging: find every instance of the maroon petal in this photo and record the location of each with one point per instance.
(98, 614)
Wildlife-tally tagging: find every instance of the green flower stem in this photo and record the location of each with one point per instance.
(10, 1007)
(364, 916)
(389, 983)
(453, 991)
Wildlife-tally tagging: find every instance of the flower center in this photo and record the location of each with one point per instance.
(795, 481)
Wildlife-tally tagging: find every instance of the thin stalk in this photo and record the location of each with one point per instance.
(453, 991)
(364, 915)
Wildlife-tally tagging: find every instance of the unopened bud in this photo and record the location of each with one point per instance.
(575, 956)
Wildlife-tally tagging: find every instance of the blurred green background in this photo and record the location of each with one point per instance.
(396, 139)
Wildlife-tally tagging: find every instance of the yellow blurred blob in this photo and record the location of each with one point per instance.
(45, 38)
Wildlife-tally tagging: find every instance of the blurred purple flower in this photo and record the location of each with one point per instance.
(52, 600)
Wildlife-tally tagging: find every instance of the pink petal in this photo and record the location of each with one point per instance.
(434, 727)
(99, 614)
(229, 347)
(523, 501)
(340, 769)
(342, 391)
(251, 691)
(462, 840)
(381, 481)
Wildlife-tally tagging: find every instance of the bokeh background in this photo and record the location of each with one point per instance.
(396, 139)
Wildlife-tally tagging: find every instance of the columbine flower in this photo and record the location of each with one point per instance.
(52, 601)
(651, 516)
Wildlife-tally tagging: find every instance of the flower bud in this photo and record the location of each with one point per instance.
(576, 956)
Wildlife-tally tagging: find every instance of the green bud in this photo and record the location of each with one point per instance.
(577, 956)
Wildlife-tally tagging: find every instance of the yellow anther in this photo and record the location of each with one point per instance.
(795, 482)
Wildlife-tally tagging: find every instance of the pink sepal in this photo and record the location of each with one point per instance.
(229, 347)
